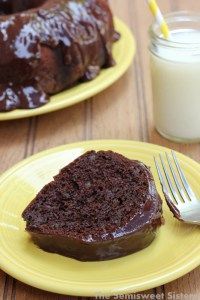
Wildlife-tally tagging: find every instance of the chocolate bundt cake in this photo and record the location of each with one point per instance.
(47, 46)
(99, 207)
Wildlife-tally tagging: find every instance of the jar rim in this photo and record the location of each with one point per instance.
(175, 17)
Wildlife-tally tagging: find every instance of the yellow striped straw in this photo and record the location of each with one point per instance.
(159, 18)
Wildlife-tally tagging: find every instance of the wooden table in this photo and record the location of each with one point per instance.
(124, 111)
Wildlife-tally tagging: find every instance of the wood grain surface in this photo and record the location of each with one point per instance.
(124, 111)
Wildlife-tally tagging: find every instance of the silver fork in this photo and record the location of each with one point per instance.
(179, 196)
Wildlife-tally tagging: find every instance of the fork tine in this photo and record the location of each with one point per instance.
(179, 187)
(173, 191)
(186, 185)
(162, 181)
(166, 190)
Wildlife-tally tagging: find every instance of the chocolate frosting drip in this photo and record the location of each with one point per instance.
(50, 47)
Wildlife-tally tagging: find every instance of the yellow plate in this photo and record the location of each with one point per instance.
(175, 251)
(123, 52)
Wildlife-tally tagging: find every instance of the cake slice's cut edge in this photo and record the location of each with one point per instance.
(135, 234)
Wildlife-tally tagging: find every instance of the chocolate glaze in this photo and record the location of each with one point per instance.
(94, 251)
(47, 46)
(94, 242)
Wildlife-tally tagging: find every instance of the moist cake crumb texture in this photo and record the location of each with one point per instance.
(96, 194)
(101, 206)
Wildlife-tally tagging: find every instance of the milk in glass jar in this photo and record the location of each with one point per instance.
(175, 70)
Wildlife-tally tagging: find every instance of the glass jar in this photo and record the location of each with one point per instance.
(175, 71)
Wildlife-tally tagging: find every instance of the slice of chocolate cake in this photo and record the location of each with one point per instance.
(101, 206)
